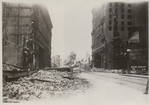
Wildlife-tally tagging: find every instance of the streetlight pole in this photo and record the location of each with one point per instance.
(128, 61)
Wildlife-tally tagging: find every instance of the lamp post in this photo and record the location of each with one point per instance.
(128, 61)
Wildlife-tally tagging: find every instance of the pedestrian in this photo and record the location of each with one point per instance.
(25, 57)
(31, 52)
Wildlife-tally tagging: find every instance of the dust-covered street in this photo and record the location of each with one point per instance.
(43, 84)
(103, 90)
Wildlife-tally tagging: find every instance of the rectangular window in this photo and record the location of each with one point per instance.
(129, 10)
(110, 9)
(129, 5)
(129, 17)
(122, 10)
(110, 22)
(110, 4)
(116, 10)
(110, 28)
(129, 23)
(116, 28)
(116, 22)
(116, 4)
(122, 16)
(110, 15)
(122, 22)
(122, 28)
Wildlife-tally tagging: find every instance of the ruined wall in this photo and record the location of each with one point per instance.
(21, 23)
(43, 34)
(16, 28)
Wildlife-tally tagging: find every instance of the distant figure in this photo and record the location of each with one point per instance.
(30, 53)
(26, 57)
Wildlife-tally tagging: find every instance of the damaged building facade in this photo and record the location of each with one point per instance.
(27, 33)
(120, 35)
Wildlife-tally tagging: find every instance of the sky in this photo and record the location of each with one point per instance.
(72, 26)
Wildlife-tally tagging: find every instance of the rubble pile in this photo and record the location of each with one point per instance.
(43, 84)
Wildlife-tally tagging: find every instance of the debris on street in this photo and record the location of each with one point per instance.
(43, 84)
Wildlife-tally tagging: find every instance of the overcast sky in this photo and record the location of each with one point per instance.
(72, 26)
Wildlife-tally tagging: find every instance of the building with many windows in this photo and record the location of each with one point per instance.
(27, 34)
(56, 61)
(114, 26)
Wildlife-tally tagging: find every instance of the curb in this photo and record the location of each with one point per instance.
(131, 75)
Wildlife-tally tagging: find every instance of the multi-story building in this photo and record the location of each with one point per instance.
(113, 24)
(98, 38)
(56, 61)
(26, 35)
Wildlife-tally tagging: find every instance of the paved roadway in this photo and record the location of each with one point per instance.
(106, 89)
(138, 83)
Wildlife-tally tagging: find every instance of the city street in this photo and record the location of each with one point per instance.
(105, 90)
(75, 52)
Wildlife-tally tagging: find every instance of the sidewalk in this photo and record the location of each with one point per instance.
(134, 81)
(135, 75)
(115, 71)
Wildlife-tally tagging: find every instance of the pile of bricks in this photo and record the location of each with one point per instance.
(43, 84)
